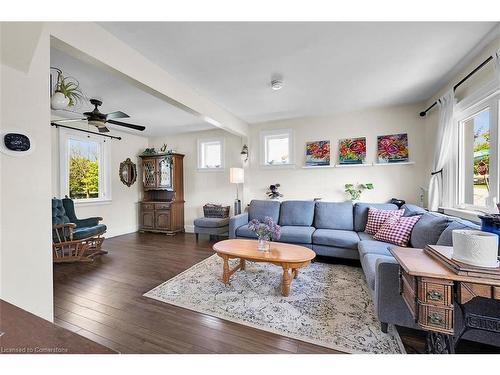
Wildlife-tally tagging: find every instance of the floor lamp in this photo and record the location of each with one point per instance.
(236, 176)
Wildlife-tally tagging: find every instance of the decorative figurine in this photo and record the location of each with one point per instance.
(273, 192)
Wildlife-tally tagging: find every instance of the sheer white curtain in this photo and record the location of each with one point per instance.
(496, 59)
(442, 151)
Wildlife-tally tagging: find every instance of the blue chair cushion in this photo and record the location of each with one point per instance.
(334, 215)
(446, 239)
(243, 231)
(211, 222)
(369, 264)
(412, 210)
(336, 237)
(260, 209)
(361, 213)
(296, 234)
(428, 230)
(58, 212)
(81, 233)
(297, 213)
(374, 247)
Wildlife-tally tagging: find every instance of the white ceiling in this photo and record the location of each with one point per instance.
(159, 117)
(326, 67)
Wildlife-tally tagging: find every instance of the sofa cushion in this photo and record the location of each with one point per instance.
(260, 209)
(336, 237)
(374, 247)
(369, 264)
(428, 229)
(361, 213)
(297, 213)
(334, 215)
(211, 222)
(363, 236)
(376, 218)
(446, 239)
(397, 230)
(296, 234)
(243, 231)
(86, 232)
(412, 210)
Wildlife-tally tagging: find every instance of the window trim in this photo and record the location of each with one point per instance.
(104, 163)
(200, 143)
(480, 100)
(264, 134)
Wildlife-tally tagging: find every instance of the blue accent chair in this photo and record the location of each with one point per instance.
(73, 239)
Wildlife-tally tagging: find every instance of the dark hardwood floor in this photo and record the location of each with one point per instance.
(103, 301)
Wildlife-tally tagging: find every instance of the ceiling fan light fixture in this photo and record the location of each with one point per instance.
(96, 123)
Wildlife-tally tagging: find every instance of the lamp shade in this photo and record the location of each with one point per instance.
(236, 175)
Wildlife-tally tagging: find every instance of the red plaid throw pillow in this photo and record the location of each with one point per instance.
(378, 217)
(397, 230)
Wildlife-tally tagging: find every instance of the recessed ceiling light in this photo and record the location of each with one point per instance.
(276, 84)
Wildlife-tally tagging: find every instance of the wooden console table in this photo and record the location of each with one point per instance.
(434, 295)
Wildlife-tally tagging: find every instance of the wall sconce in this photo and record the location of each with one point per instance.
(244, 154)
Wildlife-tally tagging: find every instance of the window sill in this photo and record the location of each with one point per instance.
(463, 213)
(278, 166)
(211, 169)
(99, 202)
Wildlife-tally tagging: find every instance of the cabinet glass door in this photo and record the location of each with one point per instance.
(164, 174)
(149, 173)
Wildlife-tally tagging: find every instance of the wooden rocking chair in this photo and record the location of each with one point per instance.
(75, 242)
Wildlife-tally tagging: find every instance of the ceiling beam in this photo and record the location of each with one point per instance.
(90, 42)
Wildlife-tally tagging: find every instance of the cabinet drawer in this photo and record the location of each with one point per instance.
(435, 292)
(408, 292)
(435, 318)
(147, 206)
(162, 206)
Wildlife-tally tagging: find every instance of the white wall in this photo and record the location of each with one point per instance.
(121, 214)
(202, 187)
(399, 181)
(26, 244)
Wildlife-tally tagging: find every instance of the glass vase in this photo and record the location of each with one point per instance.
(263, 244)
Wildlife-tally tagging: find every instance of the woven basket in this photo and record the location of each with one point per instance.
(215, 210)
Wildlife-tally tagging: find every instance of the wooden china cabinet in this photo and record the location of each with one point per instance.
(162, 207)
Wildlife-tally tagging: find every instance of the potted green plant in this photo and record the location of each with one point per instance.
(354, 190)
(67, 92)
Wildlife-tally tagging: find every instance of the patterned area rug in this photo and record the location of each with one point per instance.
(329, 304)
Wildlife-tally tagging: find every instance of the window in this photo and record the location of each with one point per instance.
(277, 147)
(211, 154)
(477, 159)
(84, 167)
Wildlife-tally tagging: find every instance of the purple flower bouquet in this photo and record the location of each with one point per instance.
(267, 231)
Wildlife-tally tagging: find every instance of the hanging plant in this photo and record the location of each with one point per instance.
(69, 87)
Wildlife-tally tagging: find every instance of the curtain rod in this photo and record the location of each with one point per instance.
(85, 131)
(423, 113)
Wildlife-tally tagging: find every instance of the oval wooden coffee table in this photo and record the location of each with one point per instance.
(289, 257)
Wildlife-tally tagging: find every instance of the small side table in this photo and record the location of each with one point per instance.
(434, 295)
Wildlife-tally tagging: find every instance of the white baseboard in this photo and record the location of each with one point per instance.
(189, 228)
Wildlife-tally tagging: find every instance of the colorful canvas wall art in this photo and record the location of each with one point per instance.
(317, 153)
(352, 150)
(392, 148)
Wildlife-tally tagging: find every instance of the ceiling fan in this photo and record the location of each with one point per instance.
(100, 120)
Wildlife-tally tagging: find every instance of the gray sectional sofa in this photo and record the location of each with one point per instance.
(337, 229)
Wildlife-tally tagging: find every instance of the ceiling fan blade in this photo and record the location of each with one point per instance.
(103, 129)
(69, 120)
(117, 114)
(131, 126)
